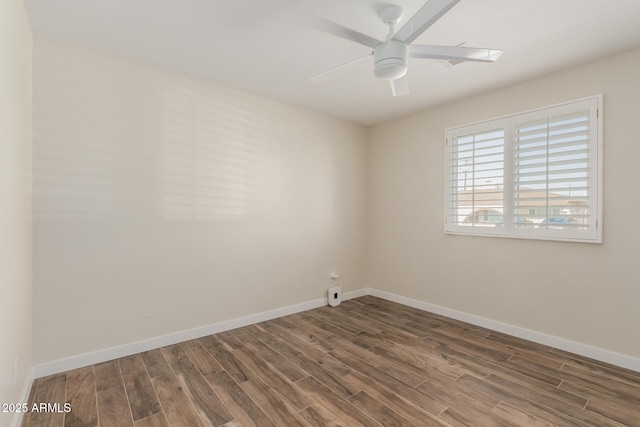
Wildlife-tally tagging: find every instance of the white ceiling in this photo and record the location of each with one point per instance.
(263, 47)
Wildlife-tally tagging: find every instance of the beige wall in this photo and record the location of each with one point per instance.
(586, 293)
(163, 203)
(15, 196)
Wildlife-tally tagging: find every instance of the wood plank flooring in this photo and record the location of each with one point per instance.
(367, 362)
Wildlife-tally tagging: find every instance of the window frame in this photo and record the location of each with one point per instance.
(508, 124)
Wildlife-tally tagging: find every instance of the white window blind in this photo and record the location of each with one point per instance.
(476, 174)
(531, 175)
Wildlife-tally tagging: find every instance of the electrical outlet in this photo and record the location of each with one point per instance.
(335, 296)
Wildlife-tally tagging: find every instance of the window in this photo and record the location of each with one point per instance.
(534, 175)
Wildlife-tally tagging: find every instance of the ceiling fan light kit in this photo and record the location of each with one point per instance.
(390, 60)
(390, 57)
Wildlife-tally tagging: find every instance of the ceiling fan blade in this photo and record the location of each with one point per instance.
(321, 78)
(458, 53)
(399, 87)
(423, 19)
(341, 31)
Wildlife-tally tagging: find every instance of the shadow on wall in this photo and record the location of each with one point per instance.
(217, 164)
(184, 154)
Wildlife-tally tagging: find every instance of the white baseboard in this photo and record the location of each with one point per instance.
(104, 355)
(596, 353)
(24, 398)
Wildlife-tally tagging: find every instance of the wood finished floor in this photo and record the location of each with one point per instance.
(368, 362)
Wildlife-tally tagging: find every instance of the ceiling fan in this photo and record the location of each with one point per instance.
(390, 56)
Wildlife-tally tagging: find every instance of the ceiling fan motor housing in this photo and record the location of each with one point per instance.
(390, 60)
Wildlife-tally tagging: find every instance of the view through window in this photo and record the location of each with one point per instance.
(529, 175)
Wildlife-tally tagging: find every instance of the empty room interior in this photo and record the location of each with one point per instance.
(319, 213)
